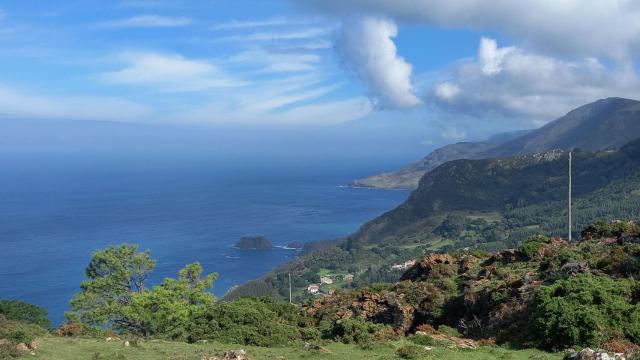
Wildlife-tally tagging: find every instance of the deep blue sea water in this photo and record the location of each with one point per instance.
(54, 211)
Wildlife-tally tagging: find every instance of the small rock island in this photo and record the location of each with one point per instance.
(254, 243)
(295, 245)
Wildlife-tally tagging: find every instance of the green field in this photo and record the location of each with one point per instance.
(87, 349)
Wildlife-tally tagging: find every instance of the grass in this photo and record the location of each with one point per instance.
(53, 348)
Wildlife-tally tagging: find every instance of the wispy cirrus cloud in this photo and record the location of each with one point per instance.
(246, 24)
(16, 103)
(148, 21)
(277, 62)
(169, 73)
(297, 34)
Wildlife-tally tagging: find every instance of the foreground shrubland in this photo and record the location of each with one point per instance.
(547, 294)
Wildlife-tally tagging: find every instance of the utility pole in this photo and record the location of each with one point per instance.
(290, 301)
(569, 220)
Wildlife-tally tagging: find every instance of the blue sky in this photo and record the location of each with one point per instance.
(454, 71)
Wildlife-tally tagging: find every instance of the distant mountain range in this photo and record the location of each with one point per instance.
(604, 124)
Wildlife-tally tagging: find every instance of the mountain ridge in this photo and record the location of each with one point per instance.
(604, 124)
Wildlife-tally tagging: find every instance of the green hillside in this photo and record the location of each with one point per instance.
(489, 204)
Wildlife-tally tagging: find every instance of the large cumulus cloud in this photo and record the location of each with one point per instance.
(365, 44)
(512, 82)
(602, 28)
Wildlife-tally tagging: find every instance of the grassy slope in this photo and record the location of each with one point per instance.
(82, 349)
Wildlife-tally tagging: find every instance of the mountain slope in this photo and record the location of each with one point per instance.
(604, 124)
(501, 185)
(409, 176)
(489, 204)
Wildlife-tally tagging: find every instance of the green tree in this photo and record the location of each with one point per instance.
(20, 311)
(169, 309)
(114, 276)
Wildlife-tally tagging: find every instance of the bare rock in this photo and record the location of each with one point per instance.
(22, 347)
(316, 348)
(590, 354)
(228, 355)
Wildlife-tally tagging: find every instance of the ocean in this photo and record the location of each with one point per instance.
(56, 209)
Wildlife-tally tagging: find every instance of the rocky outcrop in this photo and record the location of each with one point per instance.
(590, 354)
(254, 243)
(434, 262)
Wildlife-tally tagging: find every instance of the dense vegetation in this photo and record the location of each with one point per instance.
(548, 293)
(488, 204)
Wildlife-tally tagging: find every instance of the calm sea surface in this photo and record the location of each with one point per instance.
(55, 211)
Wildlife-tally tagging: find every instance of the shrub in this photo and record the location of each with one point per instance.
(585, 311)
(249, 321)
(20, 311)
(602, 228)
(358, 331)
(531, 246)
(9, 351)
(409, 351)
(423, 340)
(447, 330)
(19, 332)
(71, 330)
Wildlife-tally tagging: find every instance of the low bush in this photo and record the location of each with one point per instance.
(531, 246)
(19, 332)
(249, 321)
(585, 310)
(357, 331)
(409, 351)
(20, 311)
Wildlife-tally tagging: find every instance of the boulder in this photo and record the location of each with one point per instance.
(228, 355)
(590, 354)
(575, 268)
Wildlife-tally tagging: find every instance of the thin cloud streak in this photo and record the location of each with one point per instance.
(148, 21)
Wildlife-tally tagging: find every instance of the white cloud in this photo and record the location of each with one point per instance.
(15, 103)
(298, 34)
(367, 49)
(170, 73)
(148, 21)
(245, 24)
(447, 91)
(277, 62)
(602, 28)
(491, 57)
(515, 83)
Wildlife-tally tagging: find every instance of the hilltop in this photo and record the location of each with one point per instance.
(604, 124)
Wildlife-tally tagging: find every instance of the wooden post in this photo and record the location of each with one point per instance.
(569, 216)
(290, 301)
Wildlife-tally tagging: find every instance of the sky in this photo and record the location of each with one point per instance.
(452, 70)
